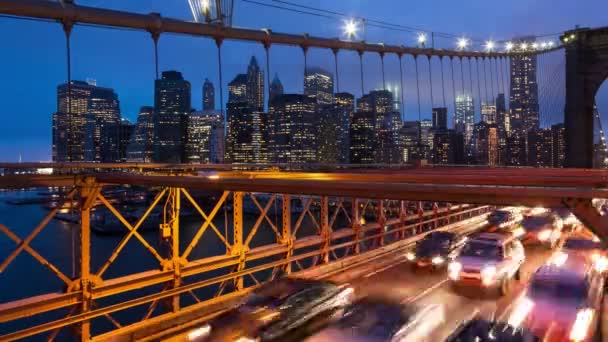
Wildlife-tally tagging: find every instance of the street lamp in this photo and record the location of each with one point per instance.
(489, 46)
(462, 43)
(421, 39)
(534, 46)
(509, 46)
(350, 28)
(524, 46)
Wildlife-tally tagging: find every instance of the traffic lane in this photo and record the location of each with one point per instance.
(465, 303)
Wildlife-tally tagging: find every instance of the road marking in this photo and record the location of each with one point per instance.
(398, 262)
(424, 293)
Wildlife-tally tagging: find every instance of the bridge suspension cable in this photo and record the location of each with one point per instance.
(383, 76)
(335, 51)
(453, 90)
(431, 81)
(478, 83)
(492, 94)
(361, 65)
(402, 88)
(442, 81)
(471, 83)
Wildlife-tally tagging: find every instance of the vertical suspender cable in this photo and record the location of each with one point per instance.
(267, 49)
(496, 70)
(418, 97)
(471, 81)
(67, 29)
(485, 79)
(453, 88)
(361, 65)
(402, 90)
(461, 76)
(431, 81)
(383, 76)
(492, 94)
(502, 80)
(442, 81)
(218, 43)
(336, 65)
(478, 82)
(305, 51)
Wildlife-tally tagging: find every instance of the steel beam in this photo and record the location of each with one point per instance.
(589, 216)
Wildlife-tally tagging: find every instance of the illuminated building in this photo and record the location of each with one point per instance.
(319, 84)
(488, 113)
(237, 89)
(205, 137)
(276, 88)
(102, 126)
(293, 128)
(411, 144)
(502, 123)
(440, 118)
(600, 151)
(208, 95)
(255, 85)
(141, 145)
(448, 147)
(246, 140)
(389, 143)
(426, 138)
(344, 107)
(464, 117)
(377, 101)
(125, 131)
(485, 144)
(516, 149)
(540, 148)
(363, 137)
(524, 92)
(171, 110)
(69, 121)
(559, 145)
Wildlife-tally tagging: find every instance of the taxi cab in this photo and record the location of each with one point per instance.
(488, 261)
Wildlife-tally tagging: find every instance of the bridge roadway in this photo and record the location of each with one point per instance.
(396, 280)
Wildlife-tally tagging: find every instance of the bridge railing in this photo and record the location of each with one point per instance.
(191, 263)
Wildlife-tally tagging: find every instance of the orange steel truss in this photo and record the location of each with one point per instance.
(179, 273)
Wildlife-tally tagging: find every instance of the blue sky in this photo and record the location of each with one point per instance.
(33, 55)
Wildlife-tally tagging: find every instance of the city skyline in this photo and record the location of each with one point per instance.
(129, 69)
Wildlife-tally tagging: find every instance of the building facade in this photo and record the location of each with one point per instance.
(319, 84)
(293, 129)
(208, 95)
(141, 145)
(171, 109)
(205, 137)
(523, 97)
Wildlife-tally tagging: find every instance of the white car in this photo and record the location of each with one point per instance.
(488, 261)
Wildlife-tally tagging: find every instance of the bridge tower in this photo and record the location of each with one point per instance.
(586, 69)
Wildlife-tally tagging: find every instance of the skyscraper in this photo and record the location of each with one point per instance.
(293, 125)
(344, 105)
(319, 84)
(488, 113)
(255, 85)
(449, 147)
(426, 139)
(388, 137)
(378, 101)
(485, 144)
(125, 132)
(412, 147)
(363, 137)
(141, 144)
(246, 140)
(440, 118)
(208, 95)
(540, 148)
(171, 110)
(276, 88)
(524, 91)
(464, 118)
(97, 105)
(237, 89)
(205, 137)
(559, 145)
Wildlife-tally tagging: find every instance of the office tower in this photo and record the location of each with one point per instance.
(69, 121)
(171, 110)
(449, 147)
(255, 85)
(488, 113)
(501, 113)
(246, 140)
(205, 137)
(559, 145)
(378, 101)
(208, 95)
(464, 118)
(237, 89)
(426, 136)
(440, 118)
(319, 84)
(524, 91)
(329, 130)
(344, 105)
(141, 144)
(516, 149)
(485, 144)
(293, 123)
(540, 148)
(388, 137)
(102, 126)
(276, 88)
(363, 137)
(125, 132)
(410, 141)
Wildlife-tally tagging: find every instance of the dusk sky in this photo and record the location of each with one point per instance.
(33, 55)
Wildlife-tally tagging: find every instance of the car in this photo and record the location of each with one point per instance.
(501, 217)
(435, 249)
(274, 310)
(544, 229)
(488, 261)
(372, 319)
(590, 249)
(478, 329)
(562, 302)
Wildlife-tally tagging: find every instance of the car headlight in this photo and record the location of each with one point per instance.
(454, 269)
(601, 264)
(523, 308)
(544, 235)
(437, 260)
(200, 332)
(410, 256)
(581, 325)
(519, 232)
(488, 274)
